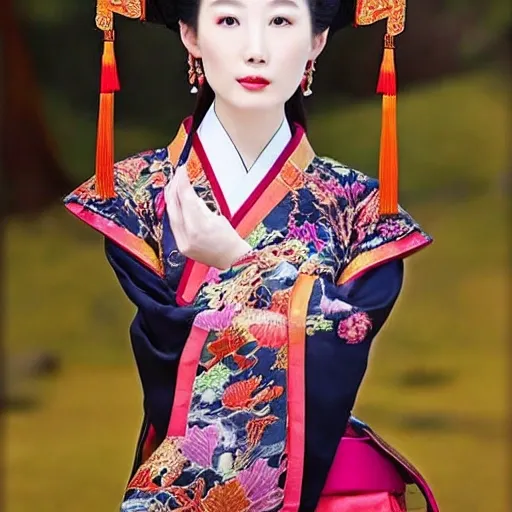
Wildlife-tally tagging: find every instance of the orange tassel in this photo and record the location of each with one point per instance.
(105, 147)
(388, 161)
(105, 136)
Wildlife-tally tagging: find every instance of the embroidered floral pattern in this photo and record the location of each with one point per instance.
(233, 455)
(307, 233)
(355, 328)
(138, 206)
(199, 445)
(213, 379)
(256, 237)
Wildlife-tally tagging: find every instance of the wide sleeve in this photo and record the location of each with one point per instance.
(371, 239)
(342, 323)
(133, 217)
(158, 331)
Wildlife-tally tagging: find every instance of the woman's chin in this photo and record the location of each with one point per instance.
(251, 100)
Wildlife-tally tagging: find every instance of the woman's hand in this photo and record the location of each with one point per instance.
(200, 234)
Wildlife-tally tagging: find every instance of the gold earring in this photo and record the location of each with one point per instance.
(307, 79)
(195, 74)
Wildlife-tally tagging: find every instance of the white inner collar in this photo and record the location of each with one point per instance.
(237, 183)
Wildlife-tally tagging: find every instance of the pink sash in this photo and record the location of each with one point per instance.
(368, 475)
(359, 468)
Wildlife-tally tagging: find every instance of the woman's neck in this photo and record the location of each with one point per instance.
(250, 130)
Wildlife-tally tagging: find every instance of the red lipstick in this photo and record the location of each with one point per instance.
(253, 83)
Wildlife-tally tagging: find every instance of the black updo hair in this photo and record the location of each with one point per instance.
(322, 14)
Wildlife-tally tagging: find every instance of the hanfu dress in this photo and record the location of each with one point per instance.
(250, 374)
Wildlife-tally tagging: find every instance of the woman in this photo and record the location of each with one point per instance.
(261, 274)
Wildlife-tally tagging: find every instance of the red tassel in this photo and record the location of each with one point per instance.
(388, 161)
(105, 137)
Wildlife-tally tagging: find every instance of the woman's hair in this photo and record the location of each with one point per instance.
(322, 12)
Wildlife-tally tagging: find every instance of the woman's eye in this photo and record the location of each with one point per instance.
(280, 21)
(229, 21)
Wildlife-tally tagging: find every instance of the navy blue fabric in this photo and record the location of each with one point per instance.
(158, 332)
(334, 369)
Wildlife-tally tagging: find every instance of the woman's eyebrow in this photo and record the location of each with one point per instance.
(237, 3)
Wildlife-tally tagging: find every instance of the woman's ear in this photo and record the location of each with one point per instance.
(319, 42)
(189, 39)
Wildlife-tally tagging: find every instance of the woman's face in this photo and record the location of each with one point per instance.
(254, 52)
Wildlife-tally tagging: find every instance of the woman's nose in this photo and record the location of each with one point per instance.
(256, 48)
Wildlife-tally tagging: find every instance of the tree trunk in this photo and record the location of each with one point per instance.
(32, 173)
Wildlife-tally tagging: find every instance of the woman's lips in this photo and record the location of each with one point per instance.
(253, 83)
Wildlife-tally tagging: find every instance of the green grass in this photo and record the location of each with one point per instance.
(74, 451)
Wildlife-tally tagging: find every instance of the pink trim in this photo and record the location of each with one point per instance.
(296, 390)
(271, 175)
(210, 176)
(191, 281)
(359, 467)
(262, 207)
(187, 270)
(262, 186)
(196, 273)
(126, 239)
(382, 254)
(187, 371)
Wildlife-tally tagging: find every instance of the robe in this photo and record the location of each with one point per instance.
(214, 350)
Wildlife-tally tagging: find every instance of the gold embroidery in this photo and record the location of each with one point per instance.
(167, 461)
(281, 359)
(105, 10)
(371, 11)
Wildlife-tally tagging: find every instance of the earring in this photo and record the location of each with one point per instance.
(195, 74)
(307, 79)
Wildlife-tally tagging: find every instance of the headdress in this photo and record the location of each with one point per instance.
(335, 14)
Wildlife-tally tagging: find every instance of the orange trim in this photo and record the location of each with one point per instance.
(187, 371)
(387, 252)
(126, 239)
(269, 193)
(195, 273)
(263, 206)
(176, 146)
(296, 390)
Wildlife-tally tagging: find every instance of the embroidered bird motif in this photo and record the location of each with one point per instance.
(239, 396)
(230, 341)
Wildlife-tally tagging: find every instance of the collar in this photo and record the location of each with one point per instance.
(235, 179)
(288, 169)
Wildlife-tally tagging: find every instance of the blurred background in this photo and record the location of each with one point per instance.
(436, 386)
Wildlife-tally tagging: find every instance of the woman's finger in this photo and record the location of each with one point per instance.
(185, 190)
(194, 210)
